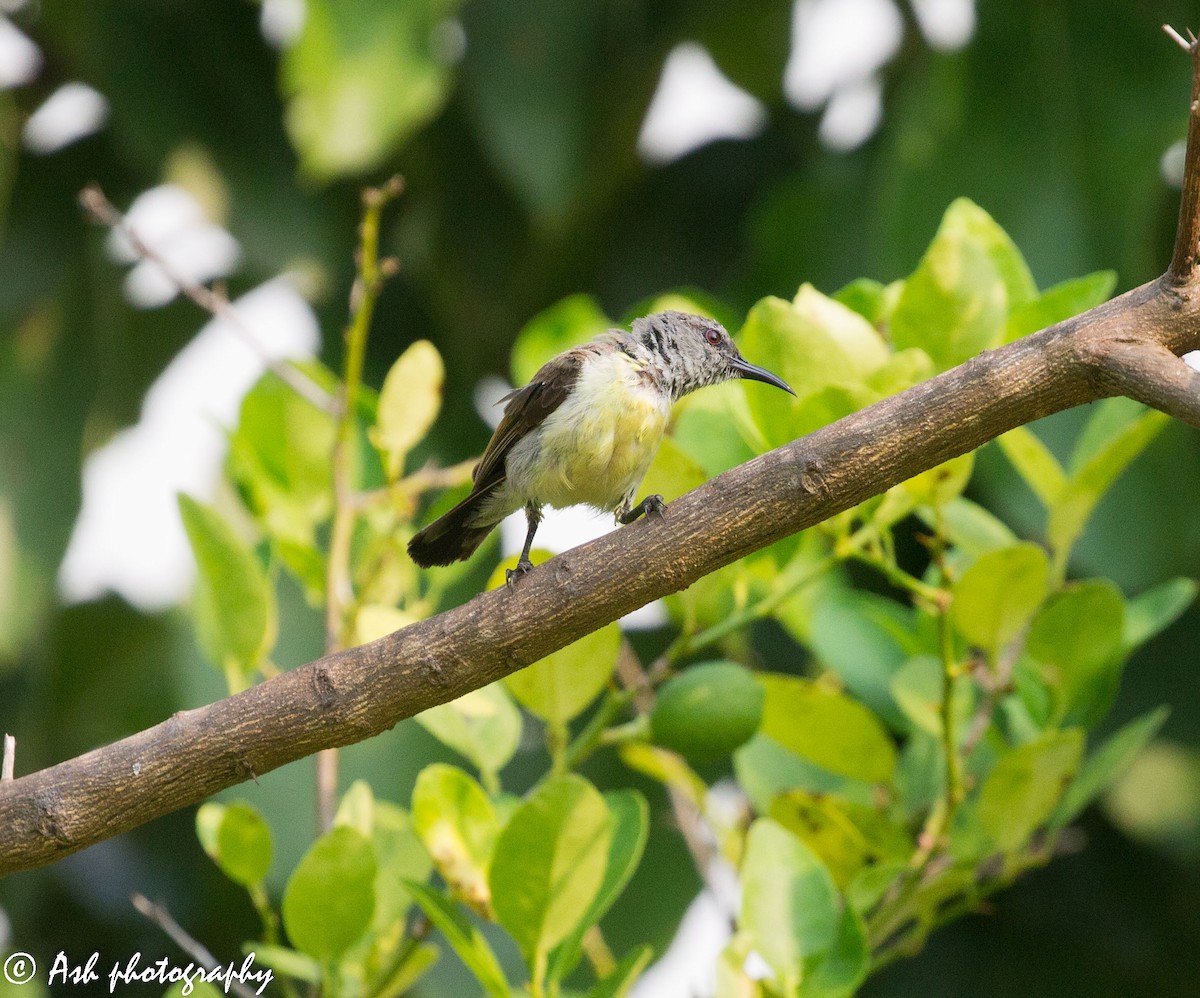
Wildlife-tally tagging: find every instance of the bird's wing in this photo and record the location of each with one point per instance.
(527, 409)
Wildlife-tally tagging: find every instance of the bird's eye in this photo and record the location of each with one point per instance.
(713, 336)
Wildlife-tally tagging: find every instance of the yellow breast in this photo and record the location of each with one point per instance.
(598, 445)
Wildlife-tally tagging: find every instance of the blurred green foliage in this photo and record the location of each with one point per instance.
(524, 188)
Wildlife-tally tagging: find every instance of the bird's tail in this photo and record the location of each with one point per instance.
(454, 536)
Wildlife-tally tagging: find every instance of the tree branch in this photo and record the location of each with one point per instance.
(1120, 346)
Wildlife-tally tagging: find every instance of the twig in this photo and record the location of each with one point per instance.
(424, 479)
(97, 206)
(339, 588)
(159, 915)
(994, 684)
(10, 758)
(1182, 42)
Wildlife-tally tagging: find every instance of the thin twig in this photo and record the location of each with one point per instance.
(424, 479)
(1182, 42)
(97, 206)
(159, 915)
(10, 758)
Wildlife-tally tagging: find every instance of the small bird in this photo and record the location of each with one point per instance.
(585, 430)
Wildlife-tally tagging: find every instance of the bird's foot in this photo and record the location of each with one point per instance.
(512, 574)
(651, 504)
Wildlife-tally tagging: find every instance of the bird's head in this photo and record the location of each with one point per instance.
(693, 352)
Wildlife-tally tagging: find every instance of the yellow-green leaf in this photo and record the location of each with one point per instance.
(409, 403)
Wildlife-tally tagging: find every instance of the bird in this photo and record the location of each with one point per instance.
(585, 431)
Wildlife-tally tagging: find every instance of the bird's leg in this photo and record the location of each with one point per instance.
(627, 513)
(533, 516)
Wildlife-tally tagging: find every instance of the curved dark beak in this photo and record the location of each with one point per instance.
(754, 373)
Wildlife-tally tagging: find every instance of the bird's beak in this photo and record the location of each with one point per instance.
(750, 371)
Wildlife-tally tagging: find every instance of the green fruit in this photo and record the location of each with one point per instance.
(707, 711)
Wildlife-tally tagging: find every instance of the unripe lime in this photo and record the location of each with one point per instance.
(707, 711)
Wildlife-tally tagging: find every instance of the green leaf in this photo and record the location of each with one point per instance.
(839, 971)
(712, 428)
(279, 456)
(672, 473)
(790, 906)
(845, 836)
(997, 596)
(361, 78)
(330, 896)
(234, 605)
(631, 828)
(286, 962)
(1100, 456)
(399, 857)
(1026, 785)
(237, 839)
(765, 769)
(565, 324)
(622, 977)
(562, 684)
(813, 343)
(409, 403)
(357, 808)
(417, 964)
(970, 527)
(826, 728)
(903, 369)
(918, 686)
(464, 938)
(1076, 637)
(669, 768)
(457, 823)
(550, 863)
(1034, 463)
(1107, 764)
(956, 302)
(483, 725)
(864, 296)
(1151, 612)
(708, 710)
(1060, 302)
(863, 638)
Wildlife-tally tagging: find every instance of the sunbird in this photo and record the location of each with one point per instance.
(585, 430)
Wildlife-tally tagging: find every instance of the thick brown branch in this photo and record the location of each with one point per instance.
(355, 694)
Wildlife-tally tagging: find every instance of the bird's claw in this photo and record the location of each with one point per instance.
(512, 574)
(655, 504)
